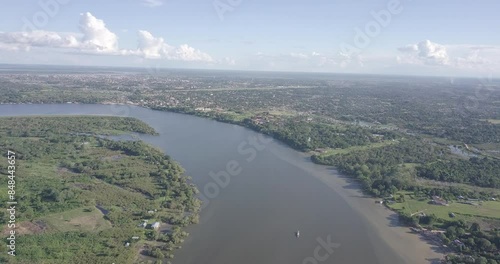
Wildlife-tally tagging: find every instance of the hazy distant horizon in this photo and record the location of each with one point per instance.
(6, 67)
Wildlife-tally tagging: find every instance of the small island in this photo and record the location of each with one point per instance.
(85, 198)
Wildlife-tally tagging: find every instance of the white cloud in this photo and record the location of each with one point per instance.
(151, 47)
(152, 3)
(476, 58)
(96, 38)
(40, 38)
(95, 34)
(428, 52)
(187, 53)
(475, 54)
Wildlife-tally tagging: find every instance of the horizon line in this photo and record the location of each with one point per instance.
(148, 68)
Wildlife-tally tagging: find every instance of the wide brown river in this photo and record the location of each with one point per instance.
(257, 193)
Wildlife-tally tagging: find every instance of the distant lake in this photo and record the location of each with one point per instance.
(253, 217)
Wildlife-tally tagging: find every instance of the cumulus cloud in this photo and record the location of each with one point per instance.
(96, 35)
(151, 47)
(96, 38)
(428, 52)
(40, 38)
(460, 57)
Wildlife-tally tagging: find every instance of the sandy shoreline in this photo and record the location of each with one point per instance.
(383, 222)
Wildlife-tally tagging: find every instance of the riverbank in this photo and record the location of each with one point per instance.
(413, 248)
(384, 223)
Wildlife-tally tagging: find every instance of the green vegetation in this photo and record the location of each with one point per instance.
(382, 170)
(473, 244)
(82, 197)
(36, 126)
(80, 219)
(411, 203)
(393, 134)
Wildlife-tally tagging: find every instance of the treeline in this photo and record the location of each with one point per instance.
(482, 172)
(306, 136)
(469, 130)
(44, 126)
(379, 169)
(474, 245)
(300, 134)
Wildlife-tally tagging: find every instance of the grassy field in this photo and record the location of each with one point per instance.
(237, 116)
(329, 152)
(80, 219)
(412, 205)
(438, 184)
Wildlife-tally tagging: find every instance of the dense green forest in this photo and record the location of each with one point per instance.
(82, 197)
(35, 126)
(382, 171)
(484, 172)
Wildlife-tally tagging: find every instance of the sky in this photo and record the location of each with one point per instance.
(446, 37)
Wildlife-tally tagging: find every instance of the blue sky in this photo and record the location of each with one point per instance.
(420, 37)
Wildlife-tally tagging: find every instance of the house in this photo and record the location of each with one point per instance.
(156, 225)
(127, 244)
(135, 238)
